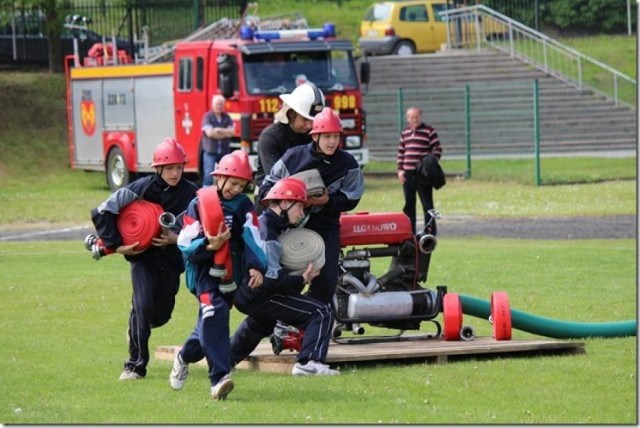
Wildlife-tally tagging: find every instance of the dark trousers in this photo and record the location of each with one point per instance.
(154, 296)
(410, 188)
(302, 312)
(210, 339)
(323, 286)
(209, 161)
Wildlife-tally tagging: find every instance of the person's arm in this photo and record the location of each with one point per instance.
(350, 191)
(269, 151)
(207, 125)
(192, 241)
(400, 160)
(105, 216)
(434, 144)
(228, 130)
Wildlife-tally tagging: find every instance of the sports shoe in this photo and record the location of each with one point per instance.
(89, 240)
(313, 368)
(179, 373)
(221, 389)
(129, 374)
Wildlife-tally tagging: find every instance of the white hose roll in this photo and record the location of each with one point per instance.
(299, 248)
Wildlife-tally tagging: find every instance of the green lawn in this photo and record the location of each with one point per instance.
(64, 316)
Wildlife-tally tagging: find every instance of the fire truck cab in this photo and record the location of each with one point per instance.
(119, 112)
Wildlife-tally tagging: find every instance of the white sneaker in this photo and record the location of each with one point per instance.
(128, 374)
(179, 373)
(221, 389)
(313, 368)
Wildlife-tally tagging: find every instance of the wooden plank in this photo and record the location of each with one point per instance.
(437, 351)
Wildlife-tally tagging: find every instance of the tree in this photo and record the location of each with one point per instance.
(54, 30)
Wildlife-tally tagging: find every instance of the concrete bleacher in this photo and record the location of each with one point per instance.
(501, 106)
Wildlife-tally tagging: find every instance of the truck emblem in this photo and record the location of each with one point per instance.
(88, 116)
(187, 124)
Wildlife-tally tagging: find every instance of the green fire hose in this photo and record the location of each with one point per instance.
(550, 327)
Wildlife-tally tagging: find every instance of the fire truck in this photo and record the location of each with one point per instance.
(119, 108)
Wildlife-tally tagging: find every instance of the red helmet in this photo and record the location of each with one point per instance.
(169, 151)
(235, 164)
(327, 121)
(287, 189)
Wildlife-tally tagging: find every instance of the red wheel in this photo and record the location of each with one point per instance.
(501, 315)
(452, 314)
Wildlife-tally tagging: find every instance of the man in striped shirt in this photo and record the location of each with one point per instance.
(416, 141)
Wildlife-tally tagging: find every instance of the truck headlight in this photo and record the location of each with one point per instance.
(348, 123)
(352, 142)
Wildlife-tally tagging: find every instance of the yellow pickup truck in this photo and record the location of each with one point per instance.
(407, 27)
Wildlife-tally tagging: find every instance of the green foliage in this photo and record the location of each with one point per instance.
(65, 318)
(591, 15)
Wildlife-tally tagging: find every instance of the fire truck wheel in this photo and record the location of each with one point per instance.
(501, 315)
(452, 314)
(117, 173)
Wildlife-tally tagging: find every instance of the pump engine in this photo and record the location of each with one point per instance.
(395, 300)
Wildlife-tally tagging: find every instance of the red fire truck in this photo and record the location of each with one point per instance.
(119, 109)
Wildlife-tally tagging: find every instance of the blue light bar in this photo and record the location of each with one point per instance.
(328, 30)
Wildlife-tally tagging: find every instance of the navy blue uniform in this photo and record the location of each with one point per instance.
(155, 273)
(279, 298)
(343, 178)
(210, 337)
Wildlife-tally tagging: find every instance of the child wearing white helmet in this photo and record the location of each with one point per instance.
(278, 298)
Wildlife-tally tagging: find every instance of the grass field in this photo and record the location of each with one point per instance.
(63, 318)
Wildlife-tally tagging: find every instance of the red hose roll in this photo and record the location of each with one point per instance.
(452, 314)
(138, 222)
(501, 315)
(211, 215)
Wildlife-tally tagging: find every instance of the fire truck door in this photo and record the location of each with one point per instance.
(191, 104)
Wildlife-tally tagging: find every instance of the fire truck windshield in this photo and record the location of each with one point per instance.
(281, 72)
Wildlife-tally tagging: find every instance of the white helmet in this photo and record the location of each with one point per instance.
(306, 100)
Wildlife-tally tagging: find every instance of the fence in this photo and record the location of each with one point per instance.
(165, 20)
(495, 131)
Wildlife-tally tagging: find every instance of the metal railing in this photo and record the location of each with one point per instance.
(480, 27)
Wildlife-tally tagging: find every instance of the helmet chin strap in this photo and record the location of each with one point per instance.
(220, 188)
(318, 150)
(284, 215)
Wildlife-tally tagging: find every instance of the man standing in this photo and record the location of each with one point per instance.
(417, 140)
(217, 130)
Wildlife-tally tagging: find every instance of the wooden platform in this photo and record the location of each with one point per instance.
(435, 351)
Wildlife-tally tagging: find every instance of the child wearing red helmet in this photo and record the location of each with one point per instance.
(279, 297)
(213, 222)
(343, 180)
(155, 271)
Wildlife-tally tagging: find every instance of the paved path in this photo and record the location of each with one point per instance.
(598, 227)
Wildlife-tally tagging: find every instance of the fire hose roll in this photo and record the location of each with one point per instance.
(138, 222)
(211, 217)
(299, 248)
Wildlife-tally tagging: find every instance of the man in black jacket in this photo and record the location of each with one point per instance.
(291, 127)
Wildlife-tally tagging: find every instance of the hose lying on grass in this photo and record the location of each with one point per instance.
(550, 327)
